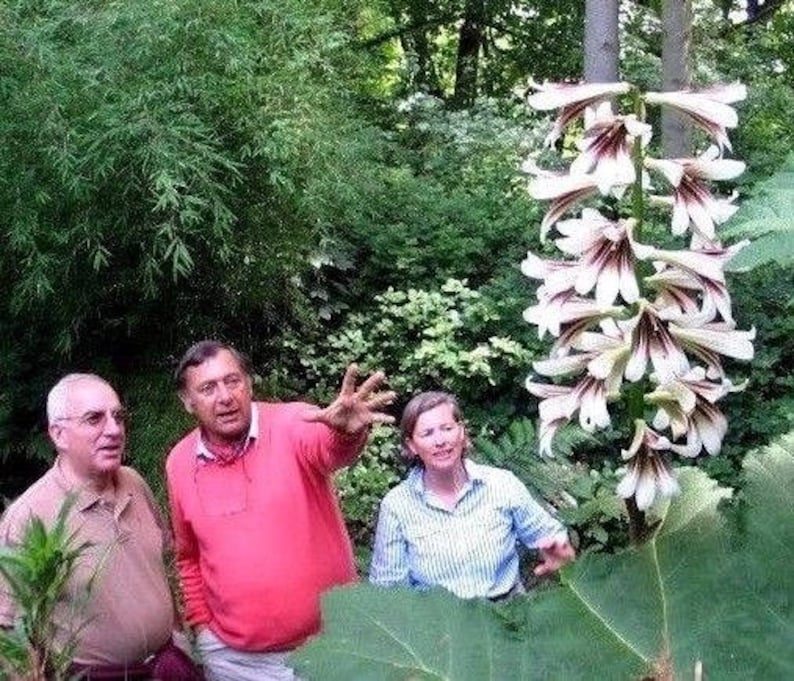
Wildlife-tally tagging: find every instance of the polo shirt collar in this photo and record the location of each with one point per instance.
(86, 498)
(203, 452)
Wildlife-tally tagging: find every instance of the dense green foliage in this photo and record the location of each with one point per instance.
(444, 338)
(704, 592)
(158, 162)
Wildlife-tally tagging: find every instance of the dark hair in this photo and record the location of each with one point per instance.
(417, 406)
(200, 352)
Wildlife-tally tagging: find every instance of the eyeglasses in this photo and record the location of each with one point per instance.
(232, 382)
(98, 419)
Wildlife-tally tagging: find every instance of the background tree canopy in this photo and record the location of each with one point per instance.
(321, 181)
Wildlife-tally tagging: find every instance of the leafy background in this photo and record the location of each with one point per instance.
(307, 179)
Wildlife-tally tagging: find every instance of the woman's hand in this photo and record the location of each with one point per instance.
(556, 552)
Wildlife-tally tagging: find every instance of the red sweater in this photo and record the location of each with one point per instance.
(259, 539)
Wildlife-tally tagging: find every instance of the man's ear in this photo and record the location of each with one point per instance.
(56, 432)
(187, 403)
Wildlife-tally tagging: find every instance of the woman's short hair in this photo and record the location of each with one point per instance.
(417, 406)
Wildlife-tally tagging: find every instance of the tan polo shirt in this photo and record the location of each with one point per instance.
(128, 613)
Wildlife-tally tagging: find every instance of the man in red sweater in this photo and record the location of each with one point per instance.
(258, 531)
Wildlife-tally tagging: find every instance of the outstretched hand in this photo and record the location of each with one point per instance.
(555, 552)
(355, 409)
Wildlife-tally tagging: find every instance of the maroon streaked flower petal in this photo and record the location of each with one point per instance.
(708, 108)
(572, 98)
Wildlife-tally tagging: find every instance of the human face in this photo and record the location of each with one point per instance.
(218, 393)
(91, 434)
(438, 439)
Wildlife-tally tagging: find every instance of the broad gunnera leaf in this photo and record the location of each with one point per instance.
(710, 595)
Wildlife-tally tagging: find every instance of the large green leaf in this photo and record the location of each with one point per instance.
(709, 590)
(767, 219)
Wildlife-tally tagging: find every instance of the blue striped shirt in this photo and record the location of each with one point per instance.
(470, 550)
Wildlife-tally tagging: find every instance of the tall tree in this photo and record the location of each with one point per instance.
(459, 49)
(419, 24)
(470, 41)
(601, 41)
(676, 42)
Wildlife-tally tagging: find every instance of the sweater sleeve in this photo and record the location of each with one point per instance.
(187, 562)
(343, 449)
(324, 448)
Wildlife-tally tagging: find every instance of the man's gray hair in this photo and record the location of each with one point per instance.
(58, 397)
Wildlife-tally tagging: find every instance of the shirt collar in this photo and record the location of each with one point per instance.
(85, 498)
(474, 470)
(202, 452)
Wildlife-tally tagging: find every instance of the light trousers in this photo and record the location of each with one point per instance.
(222, 663)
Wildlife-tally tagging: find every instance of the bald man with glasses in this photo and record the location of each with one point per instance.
(117, 606)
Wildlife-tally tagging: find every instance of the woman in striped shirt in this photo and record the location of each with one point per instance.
(454, 523)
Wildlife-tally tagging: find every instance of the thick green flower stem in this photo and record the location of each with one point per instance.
(637, 195)
(635, 408)
(638, 523)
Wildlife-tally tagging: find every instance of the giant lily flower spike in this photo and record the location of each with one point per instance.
(607, 146)
(616, 304)
(573, 99)
(708, 108)
(692, 201)
(606, 262)
(648, 473)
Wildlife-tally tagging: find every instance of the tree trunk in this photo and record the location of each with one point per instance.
(676, 39)
(601, 41)
(468, 61)
(416, 44)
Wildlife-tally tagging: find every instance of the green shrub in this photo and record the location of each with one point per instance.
(444, 338)
(362, 486)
